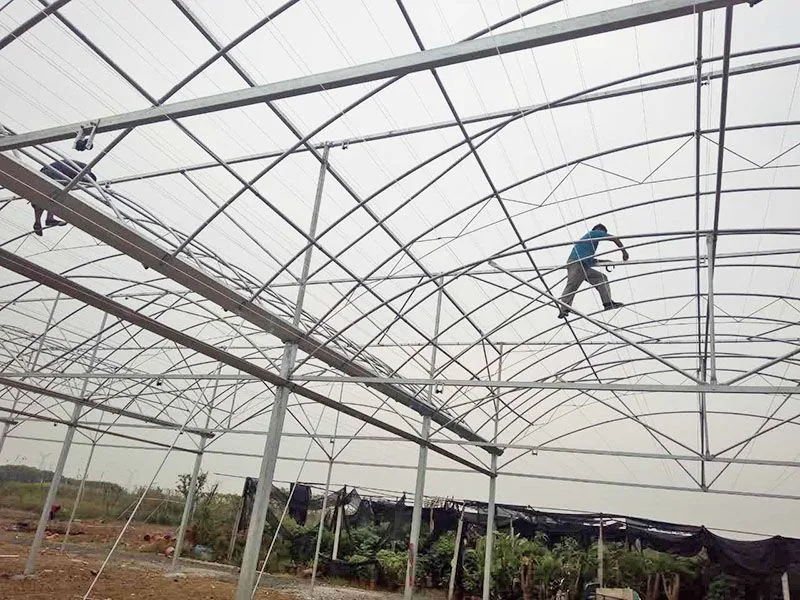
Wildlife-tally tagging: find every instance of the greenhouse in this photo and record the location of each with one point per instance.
(324, 246)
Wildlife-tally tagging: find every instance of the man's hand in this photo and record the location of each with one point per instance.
(625, 255)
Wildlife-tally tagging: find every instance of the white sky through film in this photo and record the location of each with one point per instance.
(388, 229)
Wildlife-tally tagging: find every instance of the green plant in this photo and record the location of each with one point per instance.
(438, 559)
(185, 480)
(725, 587)
(392, 567)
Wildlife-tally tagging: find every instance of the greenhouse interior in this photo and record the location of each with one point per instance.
(454, 298)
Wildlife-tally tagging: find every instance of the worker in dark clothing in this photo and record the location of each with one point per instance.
(579, 269)
(63, 171)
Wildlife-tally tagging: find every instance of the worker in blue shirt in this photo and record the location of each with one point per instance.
(579, 269)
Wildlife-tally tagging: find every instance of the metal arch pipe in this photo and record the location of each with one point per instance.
(34, 389)
(246, 378)
(133, 358)
(494, 131)
(508, 251)
(36, 417)
(32, 271)
(523, 313)
(649, 322)
(544, 173)
(91, 220)
(455, 273)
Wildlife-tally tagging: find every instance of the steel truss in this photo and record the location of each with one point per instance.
(454, 384)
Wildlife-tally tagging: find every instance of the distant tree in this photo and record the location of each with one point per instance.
(185, 480)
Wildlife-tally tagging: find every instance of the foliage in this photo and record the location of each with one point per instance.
(725, 587)
(302, 541)
(393, 567)
(363, 541)
(185, 480)
(106, 501)
(213, 521)
(438, 559)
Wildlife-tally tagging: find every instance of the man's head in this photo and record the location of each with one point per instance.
(600, 227)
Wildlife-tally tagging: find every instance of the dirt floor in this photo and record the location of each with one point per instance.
(138, 571)
(68, 576)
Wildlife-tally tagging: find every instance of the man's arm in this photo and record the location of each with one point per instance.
(618, 242)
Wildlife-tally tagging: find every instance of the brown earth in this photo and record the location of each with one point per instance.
(139, 570)
(68, 576)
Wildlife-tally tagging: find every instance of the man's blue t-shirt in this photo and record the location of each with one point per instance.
(583, 251)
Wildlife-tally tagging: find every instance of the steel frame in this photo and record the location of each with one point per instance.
(514, 407)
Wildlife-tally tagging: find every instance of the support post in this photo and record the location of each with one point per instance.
(249, 568)
(321, 528)
(79, 495)
(697, 157)
(44, 518)
(600, 565)
(235, 530)
(337, 532)
(416, 513)
(487, 562)
(456, 550)
(188, 505)
(422, 460)
(36, 545)
(785, 586)
(490, 510)
(711, 242)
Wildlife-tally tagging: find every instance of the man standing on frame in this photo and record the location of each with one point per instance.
(579, 269)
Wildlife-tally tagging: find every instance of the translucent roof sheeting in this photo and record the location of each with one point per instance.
(448, 200)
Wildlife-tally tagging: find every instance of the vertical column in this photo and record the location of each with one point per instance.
(337, 532)
(36, 545)
(487, 562)
(490, 510)
(78, 496)
(188, 505)
(321, 527)
(697, 157)
(708, 367)
(235, 530)
(785, 586)
(255, 531)
(600, 565)
(456, 551)
(422, 461)
(712, 353)
(416, 513)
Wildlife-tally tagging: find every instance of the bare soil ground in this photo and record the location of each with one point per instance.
(68, 576)
(138, 571)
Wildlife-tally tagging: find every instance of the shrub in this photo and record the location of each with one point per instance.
(392, 567)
